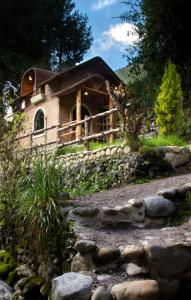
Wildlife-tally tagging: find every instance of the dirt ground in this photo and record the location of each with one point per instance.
(126, 234)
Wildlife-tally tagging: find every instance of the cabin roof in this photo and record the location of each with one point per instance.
(40, 77)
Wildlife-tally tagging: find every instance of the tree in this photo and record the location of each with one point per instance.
(41, 33)
(130, 113)
(163, 27)
(168, 107)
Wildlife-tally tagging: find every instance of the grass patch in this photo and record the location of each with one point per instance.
(169, 140)
(92, 146)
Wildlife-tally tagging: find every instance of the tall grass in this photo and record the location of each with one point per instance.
(157, 141)
(38, 207)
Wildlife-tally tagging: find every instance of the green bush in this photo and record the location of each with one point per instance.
(168, 107)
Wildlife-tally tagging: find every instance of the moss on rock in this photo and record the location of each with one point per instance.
(7, 264)
(32, 288)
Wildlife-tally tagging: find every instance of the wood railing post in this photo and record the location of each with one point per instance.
(86, 127)
(111, 121)
(31, 141)
(78, 114)
(57, 135)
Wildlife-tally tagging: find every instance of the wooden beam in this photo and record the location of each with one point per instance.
(95, 91)
(78, 113)
(111, 121)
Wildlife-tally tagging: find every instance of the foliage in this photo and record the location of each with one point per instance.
(80, 148)
(59, 34)
(168, 107)
(166, 40)
(38, 210)
(90, 176)
(130, 113)
(7, 263)
(168, 140)
(12, 165)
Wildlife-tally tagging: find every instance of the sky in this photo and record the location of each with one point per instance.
(110, 35)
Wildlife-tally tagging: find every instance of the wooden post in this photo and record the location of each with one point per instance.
(57, 135)
(31, 141)
(111, 121)
(86, 143)
(78, 114)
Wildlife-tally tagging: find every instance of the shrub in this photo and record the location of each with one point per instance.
(38, 208)
(168, 107)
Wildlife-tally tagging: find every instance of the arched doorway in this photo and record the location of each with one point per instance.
(85, 111)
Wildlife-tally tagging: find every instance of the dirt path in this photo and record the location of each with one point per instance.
(124, 235)
(119, 196)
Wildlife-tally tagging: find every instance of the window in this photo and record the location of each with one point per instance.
(39, 121)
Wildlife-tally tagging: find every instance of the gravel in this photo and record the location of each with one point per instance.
(126, 234)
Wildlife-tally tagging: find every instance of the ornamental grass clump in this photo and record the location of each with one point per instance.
(38, 207)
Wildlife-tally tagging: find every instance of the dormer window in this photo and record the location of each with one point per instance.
(39, 122)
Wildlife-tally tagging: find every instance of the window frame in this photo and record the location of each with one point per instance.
(39, 132)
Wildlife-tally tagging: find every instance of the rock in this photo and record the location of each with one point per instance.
(24, 271)
(157, 207)
(127, 149)
(106, 255)
(134, 270)
(84, 246)
(104, 278)
(71, 286)
(110, 211)
(82, 262)
(170, 194)
(136, 203)
(156, 222)
(5, 291)
(32, 287)
(168, 288)
(131, 252)
(64, 196)
(136, 290)
(86, 212)
(101, 294)
(170, 262)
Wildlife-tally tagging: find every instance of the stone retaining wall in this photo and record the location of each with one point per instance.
(145, 272)
(175, 155)
(93, 171)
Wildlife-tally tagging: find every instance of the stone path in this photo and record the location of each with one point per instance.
(126, 234)
(119, 196)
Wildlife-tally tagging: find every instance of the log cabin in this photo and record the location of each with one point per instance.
(67, 107)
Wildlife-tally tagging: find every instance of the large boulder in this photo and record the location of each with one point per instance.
(106, 255)
(157, 207)
(170, 262)
(101, 294)
(72, 286)
(131, 252)
(136, 290)
(82, 262)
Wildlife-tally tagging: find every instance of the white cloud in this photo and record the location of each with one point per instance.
(119, 36)
(103, 3)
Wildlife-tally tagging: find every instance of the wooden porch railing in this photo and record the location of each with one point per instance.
(69, 129)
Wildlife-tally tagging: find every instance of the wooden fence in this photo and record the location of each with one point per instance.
(68, 131)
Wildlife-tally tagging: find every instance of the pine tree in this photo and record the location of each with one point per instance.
(168, 107)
